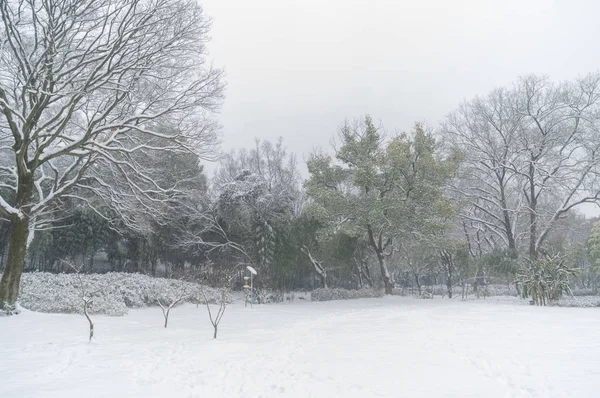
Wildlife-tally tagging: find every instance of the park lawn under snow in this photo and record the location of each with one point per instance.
(388, 347)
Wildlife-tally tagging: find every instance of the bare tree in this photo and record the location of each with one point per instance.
(531, 156)
(222, 306)
(204, 232)
(486, 131)
(87, 297)
(167, 302)
(87, 89)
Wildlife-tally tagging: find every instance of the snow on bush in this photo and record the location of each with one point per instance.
(343, 294)
(581, 301)
(579, 291)
(265, 296)
(442, 290)
(61, 293)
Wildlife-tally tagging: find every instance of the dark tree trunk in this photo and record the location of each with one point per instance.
(92, 260)
(317, 266)
(378, 247)
(448, 264)
(367, 272)
(387, 279)
(532, 213)
(17, 248)
(507, 222)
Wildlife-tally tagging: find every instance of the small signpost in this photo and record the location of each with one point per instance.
(246, 289)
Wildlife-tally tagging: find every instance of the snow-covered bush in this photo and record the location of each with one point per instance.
(579, 291)
(60, 293)
(343, 294)
(264, 296)
(581, 301)
(500, 290)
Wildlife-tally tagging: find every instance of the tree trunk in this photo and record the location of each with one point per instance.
(17, 248)
(532, 214)
(418, 283)
(2, 259)
(359, 272)
(378, 248)
(448, 264)
(85, 307)
(317, 266)
(367, 272)
(92, 260)
(324, 280)
(507, 222)
(449, 282)
(385, 274)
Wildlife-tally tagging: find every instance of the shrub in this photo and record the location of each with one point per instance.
(264, 296)
(546, 279)
(60, 293)
(343, 294)
(585, 301)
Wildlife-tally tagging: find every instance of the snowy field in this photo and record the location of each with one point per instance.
(388, 347)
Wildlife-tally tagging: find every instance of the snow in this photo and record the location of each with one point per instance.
(383, 347)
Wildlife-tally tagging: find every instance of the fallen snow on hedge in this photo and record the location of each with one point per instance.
(115, 292)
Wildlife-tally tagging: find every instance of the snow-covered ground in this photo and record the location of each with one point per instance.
(387, 347)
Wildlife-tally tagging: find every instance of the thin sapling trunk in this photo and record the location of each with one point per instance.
(217, 319)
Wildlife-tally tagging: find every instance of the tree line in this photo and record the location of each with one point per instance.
(107, 111)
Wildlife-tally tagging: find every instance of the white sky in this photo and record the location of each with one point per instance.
(297, 69)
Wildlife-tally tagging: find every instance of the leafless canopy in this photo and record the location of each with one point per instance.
(532, 155)
(90, 88)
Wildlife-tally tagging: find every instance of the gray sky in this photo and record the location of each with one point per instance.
(297, 69)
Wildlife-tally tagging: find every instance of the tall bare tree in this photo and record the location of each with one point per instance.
(87, 88)
(532, 155)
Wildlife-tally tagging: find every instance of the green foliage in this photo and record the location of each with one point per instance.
(593, 246)
(389, 183)
(384, 188)
(258, 195)
(500, 262)
(545, 279)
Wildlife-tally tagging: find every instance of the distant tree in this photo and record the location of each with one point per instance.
(381, 189)
(258, 198)
(531, 156)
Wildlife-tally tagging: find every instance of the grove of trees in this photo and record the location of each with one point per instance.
(107, 114)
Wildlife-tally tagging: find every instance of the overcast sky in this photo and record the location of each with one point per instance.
(297, 69)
